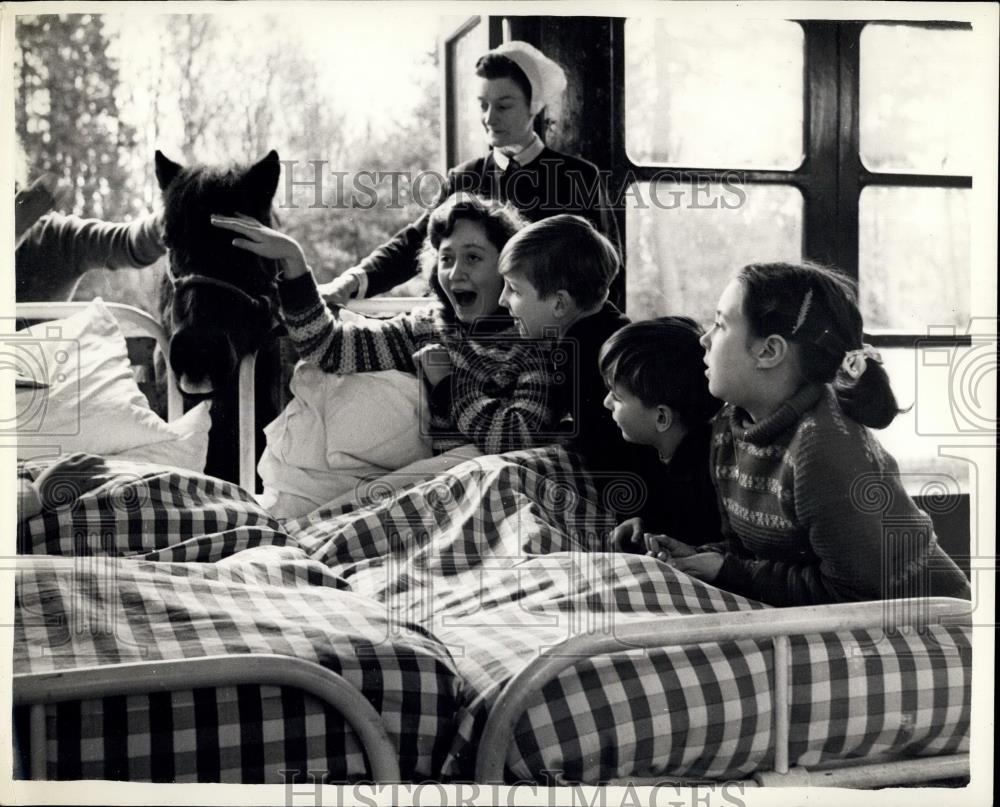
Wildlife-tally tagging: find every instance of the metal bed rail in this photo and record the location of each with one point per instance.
(246, 420)
(124, 313)
(376, 306)
(246, 423)
(35, 690)
(150, 326)
(382, 306)
(777, 624)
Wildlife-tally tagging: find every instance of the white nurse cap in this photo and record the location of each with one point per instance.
(546, 77)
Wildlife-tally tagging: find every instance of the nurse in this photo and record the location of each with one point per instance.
(516, 83)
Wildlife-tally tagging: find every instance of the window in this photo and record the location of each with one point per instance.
(850, 143)
(915, 142)
(462, 49)
(182, 83)
(715, 138)
(684, 239)
(735, 105)
(916, 99)
(913, 258)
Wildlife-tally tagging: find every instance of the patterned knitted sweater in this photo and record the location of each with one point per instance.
(496, 397)
(813, 511)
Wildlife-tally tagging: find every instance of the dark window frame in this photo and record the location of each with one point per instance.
(831, 176)
(449, 43)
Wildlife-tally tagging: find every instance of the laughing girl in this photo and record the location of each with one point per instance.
(485, 386)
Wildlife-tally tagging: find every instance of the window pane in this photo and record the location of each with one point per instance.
(471, 142)
(714, 93)
(914, 267)
(914, 438)
(918, 99)
(686, 240)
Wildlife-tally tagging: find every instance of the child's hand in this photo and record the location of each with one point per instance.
(703, 565)
(67, 479)
(628, 536)
(434, 363)
(266, 242)
(665, 548)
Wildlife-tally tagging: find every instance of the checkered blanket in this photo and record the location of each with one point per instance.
(148, 511)
(92, 611)
(120, 584)
(504, 556)
(460, 581)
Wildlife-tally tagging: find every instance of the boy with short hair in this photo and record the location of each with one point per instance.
(658, 396)
(557, 273)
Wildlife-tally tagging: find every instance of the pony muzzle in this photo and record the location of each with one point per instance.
(202, 359)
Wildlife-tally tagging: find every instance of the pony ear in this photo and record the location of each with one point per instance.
(262, 179)
(166, 170)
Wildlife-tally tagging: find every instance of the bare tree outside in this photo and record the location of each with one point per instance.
(179, 82)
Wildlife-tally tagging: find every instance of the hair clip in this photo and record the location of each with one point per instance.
(803, 310)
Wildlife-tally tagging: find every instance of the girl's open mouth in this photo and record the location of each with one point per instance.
(465, 298)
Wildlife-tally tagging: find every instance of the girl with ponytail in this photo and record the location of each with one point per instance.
(813, 510)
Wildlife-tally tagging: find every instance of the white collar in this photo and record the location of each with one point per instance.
(523, 157)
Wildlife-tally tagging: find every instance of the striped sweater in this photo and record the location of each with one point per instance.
(813, 511)
(496, 397)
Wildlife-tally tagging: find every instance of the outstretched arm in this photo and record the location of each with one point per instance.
(392, 263)
(343, 347)
(74, 245)
(266, 242)
(319, 338)
(397, 260)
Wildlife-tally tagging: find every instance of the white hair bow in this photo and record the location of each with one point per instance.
(856, 361)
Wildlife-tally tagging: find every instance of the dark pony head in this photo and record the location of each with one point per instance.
(217, 302)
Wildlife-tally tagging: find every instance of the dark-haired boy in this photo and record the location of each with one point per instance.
(658, 396)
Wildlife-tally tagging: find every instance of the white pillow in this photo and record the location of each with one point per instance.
(92, 402)
(336, 431)
(188, 450)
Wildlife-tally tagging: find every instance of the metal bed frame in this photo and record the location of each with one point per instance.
(246, 421)
(37, 689)
(777, 624)
(377, 306)
(124, 313)
(175, 403)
